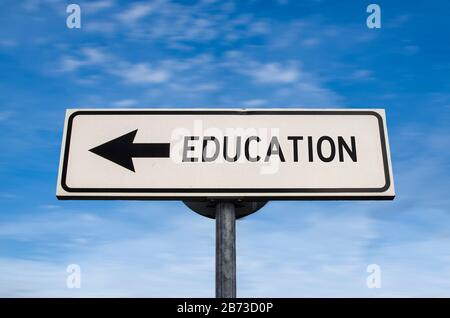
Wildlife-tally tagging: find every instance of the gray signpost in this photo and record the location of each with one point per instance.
(225, 213)
(225, 250)
(186, 154)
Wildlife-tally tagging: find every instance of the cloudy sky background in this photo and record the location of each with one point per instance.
(224, 54)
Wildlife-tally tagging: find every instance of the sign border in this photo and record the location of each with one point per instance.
(183, 191)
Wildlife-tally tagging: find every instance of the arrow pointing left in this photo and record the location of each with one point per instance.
(122, 150)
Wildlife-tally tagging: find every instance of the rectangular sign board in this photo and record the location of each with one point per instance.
(253, 154)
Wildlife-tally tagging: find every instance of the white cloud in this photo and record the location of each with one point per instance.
(131, 73)
(95, 6)
(139, 250)
(9, 43)
(310, 92)
(105, 27)
(178, 262)
(89, 56)
(361, 74)
(94, 55)
(142, 73)
(178, 24)
(35, 4)
(137, 11)
(50, 206)
(124, 103)
(254, 102)
(311, 42)
(69, 64)
(398, 21)
(273, 73)
(292, 85)
(411, 49)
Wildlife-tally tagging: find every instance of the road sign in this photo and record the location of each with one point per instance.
(225, 153)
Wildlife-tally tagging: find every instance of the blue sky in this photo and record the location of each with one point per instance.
(165, 53)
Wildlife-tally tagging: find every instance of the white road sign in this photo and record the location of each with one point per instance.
(204, 153)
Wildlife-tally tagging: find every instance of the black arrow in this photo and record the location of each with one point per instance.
(122, 150)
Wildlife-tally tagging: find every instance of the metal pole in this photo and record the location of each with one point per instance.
(225, 250)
